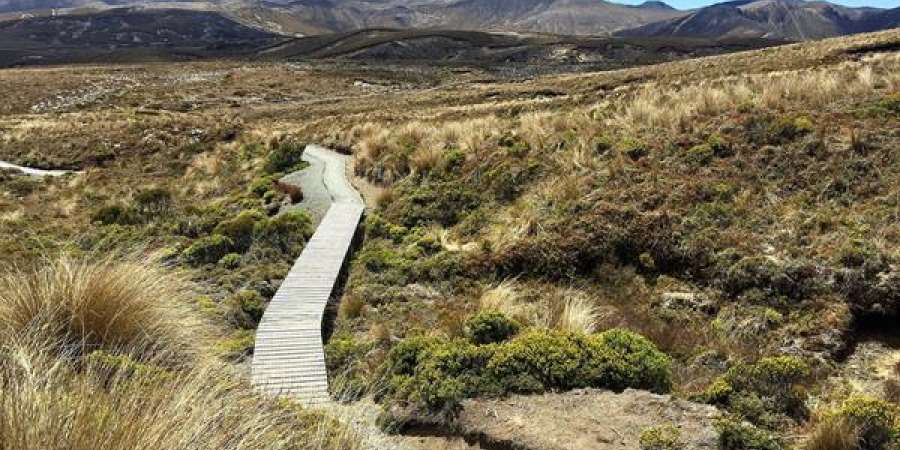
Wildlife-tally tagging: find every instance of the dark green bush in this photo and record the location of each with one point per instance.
(437, 373)
(762, 390)
(443, 203)
(230, 261)
(285, 154)
(874, 421)
(240, 228)
(117, 215)
(286, 232)
(739, 435)
(664, 437)
(208, 250)
(490, 327)
(245, 309)
(633, 148)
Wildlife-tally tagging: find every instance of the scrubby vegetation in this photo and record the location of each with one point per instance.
(436, 374)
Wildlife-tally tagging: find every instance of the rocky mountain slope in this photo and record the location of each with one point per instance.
(779, 19)
(328, 16)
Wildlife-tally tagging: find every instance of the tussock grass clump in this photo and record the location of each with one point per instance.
(100, 305)
(49, 405)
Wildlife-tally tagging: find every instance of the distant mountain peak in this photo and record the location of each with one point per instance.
(655, 4)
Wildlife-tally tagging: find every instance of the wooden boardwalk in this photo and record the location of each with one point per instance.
(289, 359)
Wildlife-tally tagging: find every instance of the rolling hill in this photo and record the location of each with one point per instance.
(329, 16)
(125, 34)
(795, 20)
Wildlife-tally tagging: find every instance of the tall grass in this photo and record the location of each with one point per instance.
(101, 304)
(48, 404)
(54, 395)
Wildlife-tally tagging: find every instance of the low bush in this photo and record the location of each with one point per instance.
(739, 435)
(286, 232)
(437, 373)
(285, 155)
(208, 250)
(891, 103)
(245, 309)
(153, 201)
(875, 423)
(239, 229)
(763, 391)
(665, 437)
(117, 215)
(490, 327)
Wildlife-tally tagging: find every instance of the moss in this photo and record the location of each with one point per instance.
(208, 250)
(490, 327)
(663, 437)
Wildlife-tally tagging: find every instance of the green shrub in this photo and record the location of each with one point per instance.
(286, 232)
(443, 203)
(700, 155)
(342, 351)
(876, 422)
(739, 435)
(245, 309)
(264, 184)
(490, 327)
(438, 373)
(664, 437)
(787, 129)
(117, 215)
(240, 228)
(285, 154)
(230, 261)
(208, 250)
(757, 391)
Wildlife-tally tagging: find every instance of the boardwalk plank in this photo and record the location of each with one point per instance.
(289, 359)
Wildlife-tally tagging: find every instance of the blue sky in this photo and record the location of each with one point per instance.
(688, 4)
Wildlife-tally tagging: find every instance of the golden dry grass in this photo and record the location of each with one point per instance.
(101, 304)
(48, 405)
